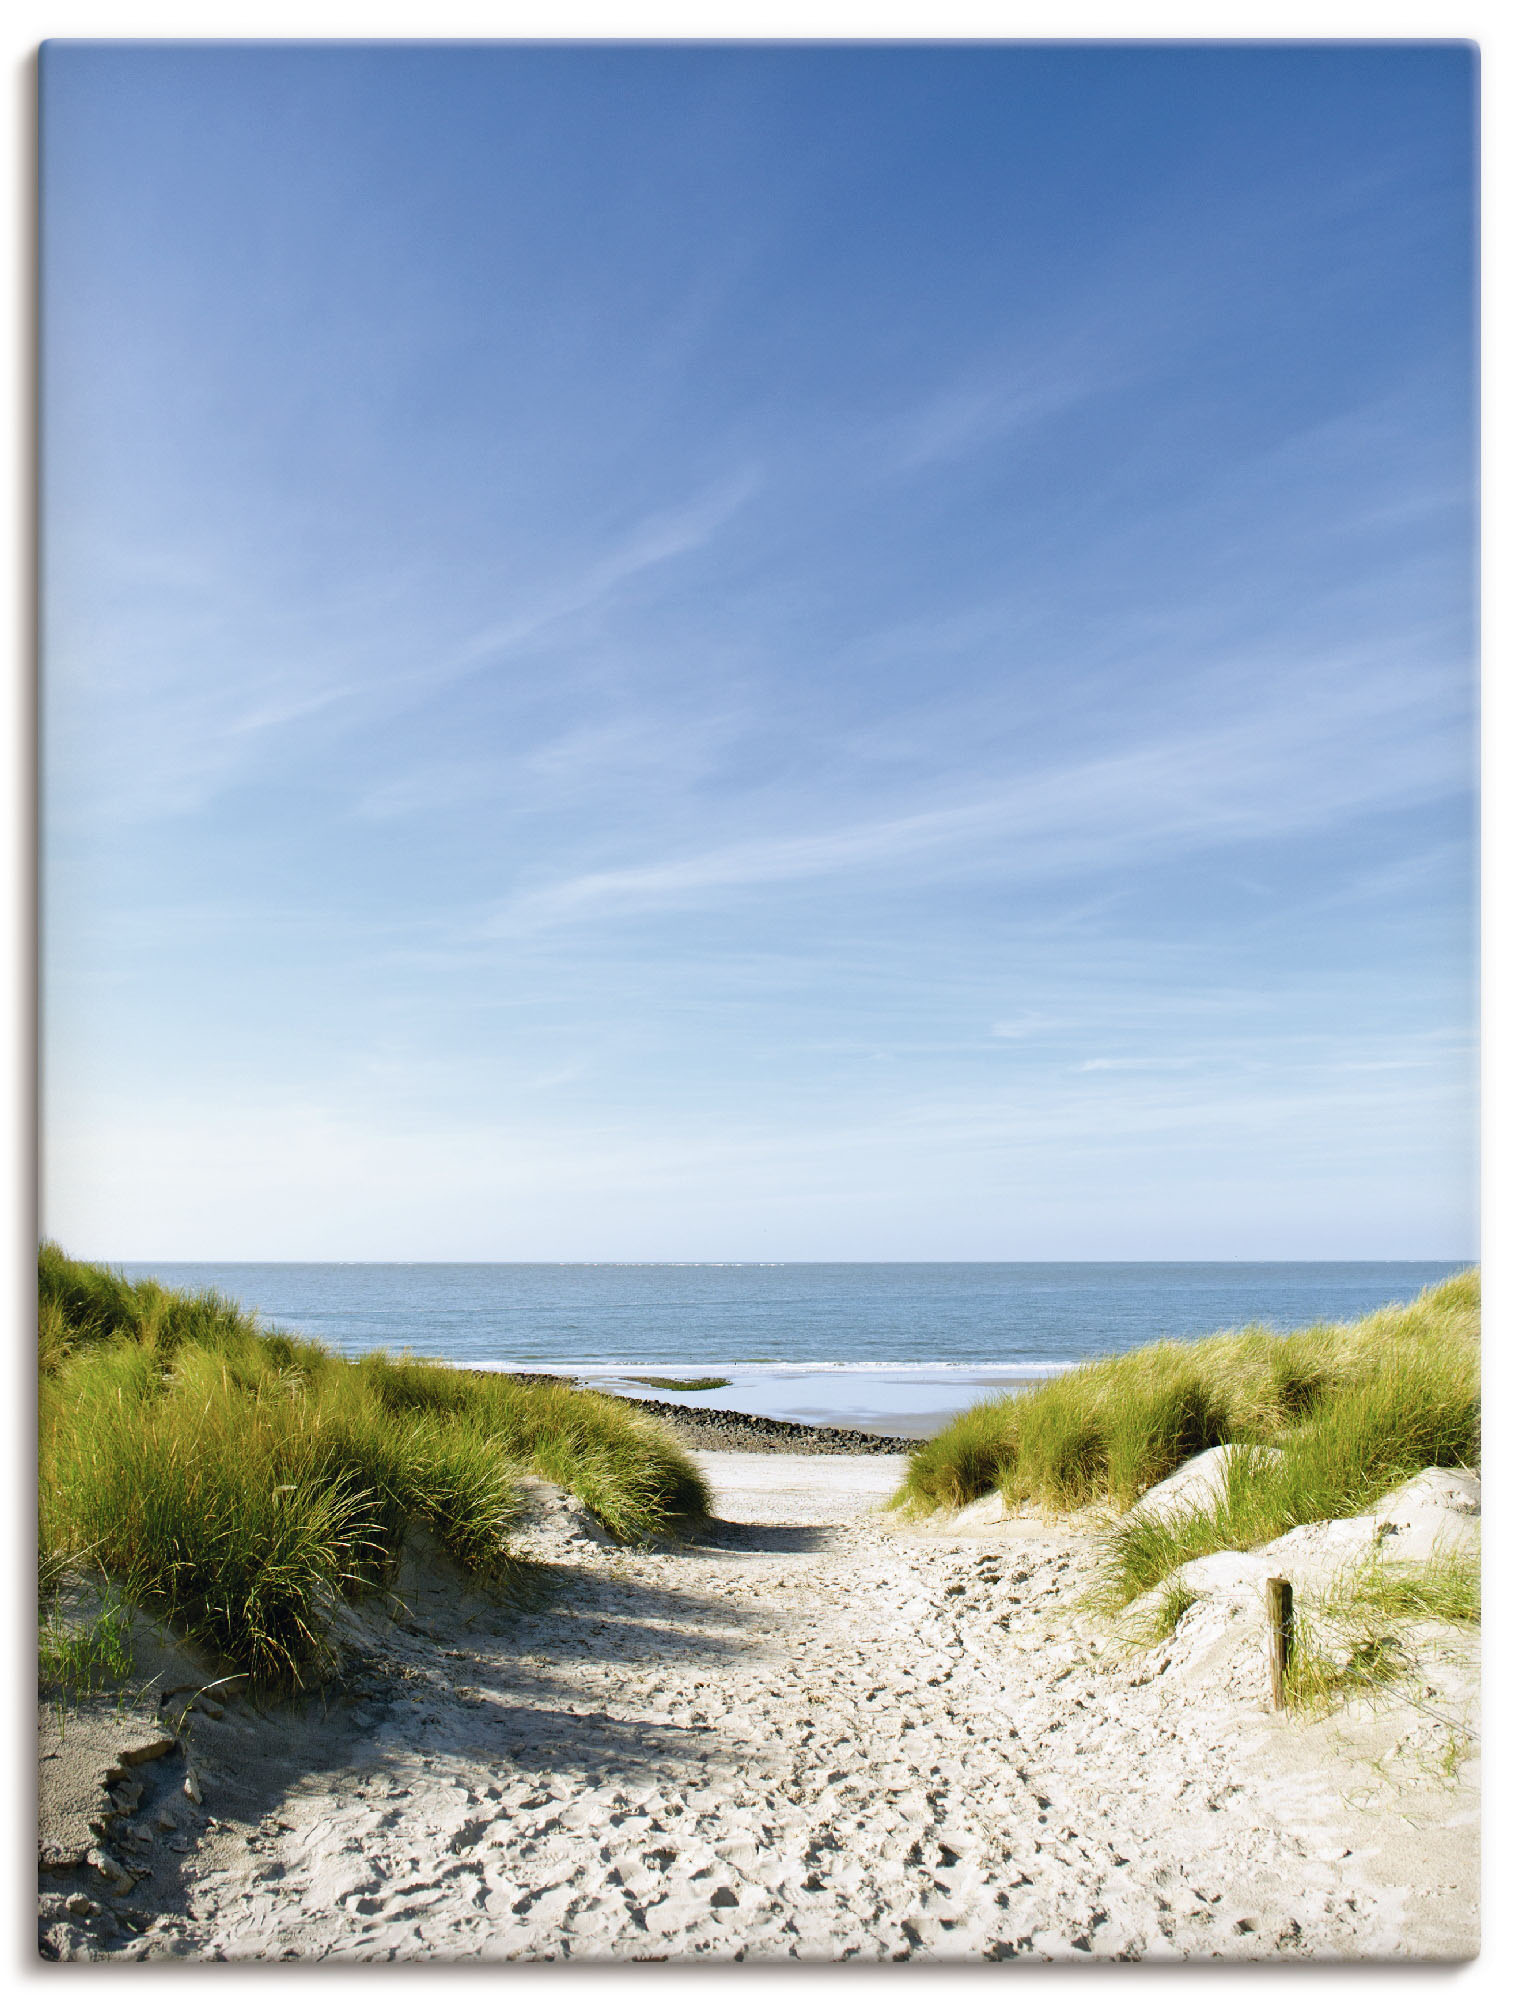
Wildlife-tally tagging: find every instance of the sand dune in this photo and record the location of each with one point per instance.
(813, 1735)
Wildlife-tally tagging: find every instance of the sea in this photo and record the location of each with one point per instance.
(897, 1348)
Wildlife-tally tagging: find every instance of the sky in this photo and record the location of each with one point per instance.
(758, 652)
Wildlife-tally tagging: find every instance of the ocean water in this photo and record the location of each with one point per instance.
(888, 1346)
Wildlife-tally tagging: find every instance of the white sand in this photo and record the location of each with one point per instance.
(820, 1736)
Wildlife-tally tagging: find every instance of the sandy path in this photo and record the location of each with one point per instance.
(813, 1736)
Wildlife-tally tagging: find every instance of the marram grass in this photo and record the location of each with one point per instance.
(1328, 1419)
(1358, 1635)
(1365, 1436)
(241, 1480)
(83, 1658)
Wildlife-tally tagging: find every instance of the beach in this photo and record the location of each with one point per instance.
(816, 1733)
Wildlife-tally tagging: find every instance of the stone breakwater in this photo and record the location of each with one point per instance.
(733, 1430)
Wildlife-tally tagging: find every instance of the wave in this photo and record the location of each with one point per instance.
(746, 1369)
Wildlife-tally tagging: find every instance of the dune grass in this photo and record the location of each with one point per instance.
(240, 1480)
(1354, 1447)
(1325, 1420)
(1446, 1587)
(1170, 1608)
(73, 1660)
(1355, 1638)
(620, 1461)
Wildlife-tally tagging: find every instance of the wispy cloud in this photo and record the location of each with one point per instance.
(1392, 1062)
(1138, 1062)
(657, 539)
(276, 712)
(1053, 362)
(605, 758)
(981, 412)
(353, 658)
(1277, 771)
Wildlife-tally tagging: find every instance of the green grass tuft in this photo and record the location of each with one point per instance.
(1352, 1410)
(1321, 1675)
(241, 1480)
(1447, 1587)
(1353, 1638)
(1357, 1445)
(73, 1661)
(1172, 1606)
(1105, 1430)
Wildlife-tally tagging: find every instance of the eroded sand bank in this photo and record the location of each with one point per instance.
(814, 1735)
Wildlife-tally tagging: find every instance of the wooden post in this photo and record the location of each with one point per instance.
(1278, 1635)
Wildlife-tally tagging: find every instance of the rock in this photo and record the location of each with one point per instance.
(80, 1905)
(148, 1748)
(105, 1864)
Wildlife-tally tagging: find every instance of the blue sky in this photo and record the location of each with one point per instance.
(759, 652)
